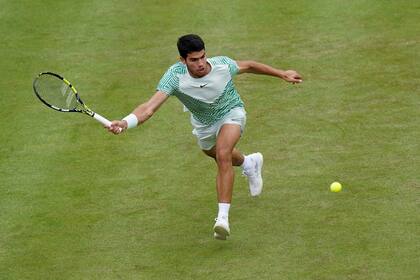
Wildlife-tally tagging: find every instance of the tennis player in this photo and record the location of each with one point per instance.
(205, 87)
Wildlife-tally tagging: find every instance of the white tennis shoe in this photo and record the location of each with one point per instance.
(221, 228)
(254, 174)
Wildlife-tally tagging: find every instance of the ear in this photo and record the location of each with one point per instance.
(182, 59)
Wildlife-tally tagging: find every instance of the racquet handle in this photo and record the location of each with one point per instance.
(103, 120)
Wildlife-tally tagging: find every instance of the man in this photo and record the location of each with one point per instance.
(205, 87)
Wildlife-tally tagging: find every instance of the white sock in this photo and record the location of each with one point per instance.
(247, 164)
(223, 210)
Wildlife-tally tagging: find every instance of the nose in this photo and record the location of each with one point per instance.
(201, 62)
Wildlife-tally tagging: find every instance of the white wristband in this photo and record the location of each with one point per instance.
(131, 120)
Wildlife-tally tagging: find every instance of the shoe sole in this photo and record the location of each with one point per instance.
(261, 163)
(219, 237)
(220, 233)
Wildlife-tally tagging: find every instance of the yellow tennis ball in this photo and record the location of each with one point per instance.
(335, 187)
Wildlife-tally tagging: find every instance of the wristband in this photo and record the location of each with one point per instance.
(131, 120)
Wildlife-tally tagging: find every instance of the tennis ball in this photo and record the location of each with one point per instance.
(335, 187)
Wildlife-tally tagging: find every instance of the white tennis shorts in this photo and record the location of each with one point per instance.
(207, 134)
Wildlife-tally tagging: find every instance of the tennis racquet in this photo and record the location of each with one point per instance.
(59, 94)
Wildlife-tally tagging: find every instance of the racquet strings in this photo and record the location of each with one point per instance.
(56, 92)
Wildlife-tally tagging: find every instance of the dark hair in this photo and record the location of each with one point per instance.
(188, 44)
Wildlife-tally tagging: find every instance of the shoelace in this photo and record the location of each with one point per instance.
(252, 173)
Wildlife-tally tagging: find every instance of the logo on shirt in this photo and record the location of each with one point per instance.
(203, 85)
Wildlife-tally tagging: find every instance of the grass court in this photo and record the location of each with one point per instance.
(79, 203)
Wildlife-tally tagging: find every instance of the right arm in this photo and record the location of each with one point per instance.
(143, 112)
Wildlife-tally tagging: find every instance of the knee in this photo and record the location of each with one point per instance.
(224, 157)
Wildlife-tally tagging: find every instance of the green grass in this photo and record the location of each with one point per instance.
(79, 203)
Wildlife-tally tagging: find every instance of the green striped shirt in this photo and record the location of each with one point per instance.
(208, 98)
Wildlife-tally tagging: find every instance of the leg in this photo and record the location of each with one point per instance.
(218, 142)
(252, 167)
(228, 136)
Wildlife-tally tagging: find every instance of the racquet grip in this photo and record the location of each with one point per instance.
(103, 120)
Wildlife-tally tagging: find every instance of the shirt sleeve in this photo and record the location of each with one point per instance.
(233, 66)
(169, 82)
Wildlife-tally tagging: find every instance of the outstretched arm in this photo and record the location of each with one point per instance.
(143, 112)
(249, 66)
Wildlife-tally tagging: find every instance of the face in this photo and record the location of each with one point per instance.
(197, 64)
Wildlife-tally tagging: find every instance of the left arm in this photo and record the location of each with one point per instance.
(249, 66)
